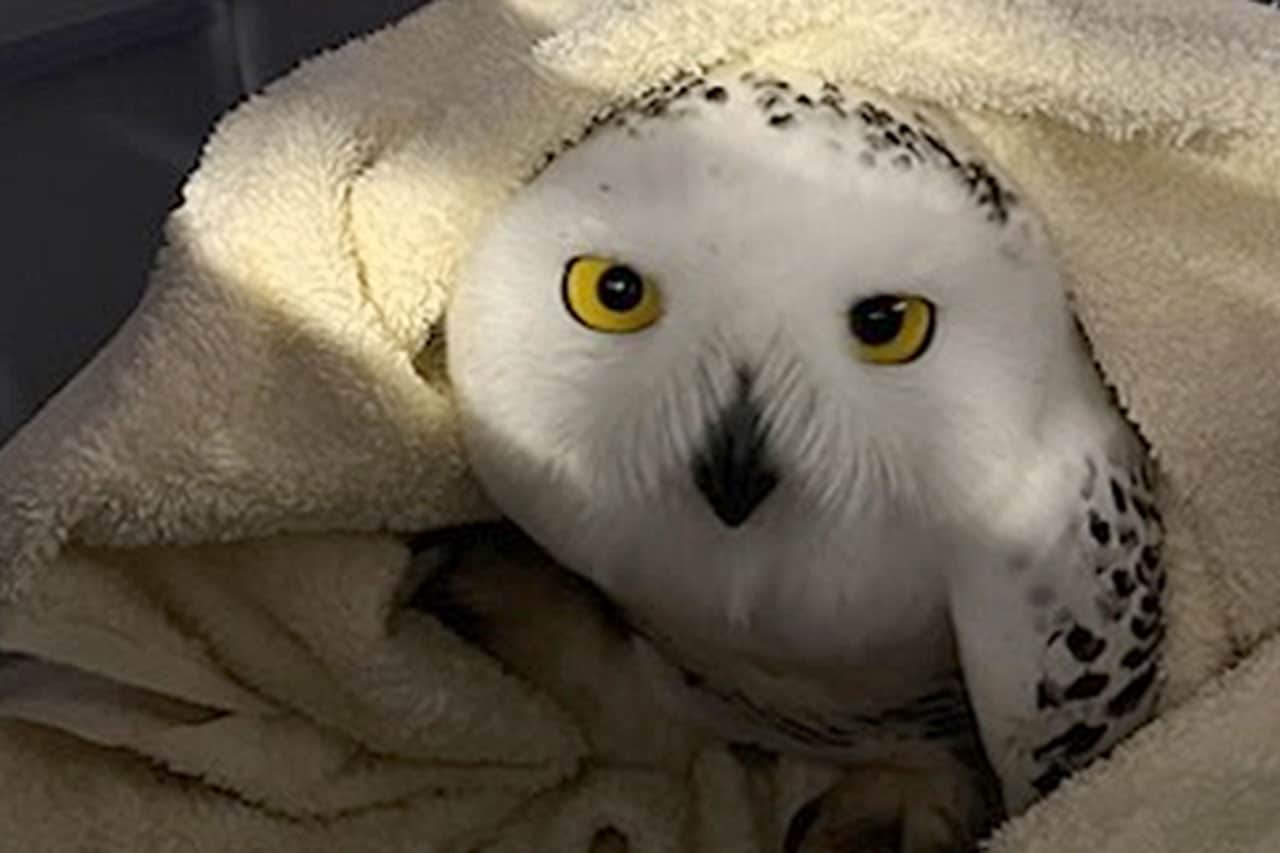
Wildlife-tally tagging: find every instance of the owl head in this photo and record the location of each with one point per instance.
(744, 307)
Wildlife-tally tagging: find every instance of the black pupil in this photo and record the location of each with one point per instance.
(620, 289)
(878, 320)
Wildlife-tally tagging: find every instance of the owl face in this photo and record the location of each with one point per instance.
(707, 323)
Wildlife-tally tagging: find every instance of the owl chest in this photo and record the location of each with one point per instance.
(855, 706)
(810, 651)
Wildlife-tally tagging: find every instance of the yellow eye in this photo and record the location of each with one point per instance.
(607, 296)
(892, 328)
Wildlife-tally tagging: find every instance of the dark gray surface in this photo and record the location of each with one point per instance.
(92, 157)
(22, 19)
(39, 40)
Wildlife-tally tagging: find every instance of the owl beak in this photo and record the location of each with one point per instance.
(731, 471)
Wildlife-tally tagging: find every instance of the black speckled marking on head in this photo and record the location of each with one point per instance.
(834, 103)
(874, 115)
(907, 142)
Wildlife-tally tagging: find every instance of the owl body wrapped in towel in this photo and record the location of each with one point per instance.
(787, 370)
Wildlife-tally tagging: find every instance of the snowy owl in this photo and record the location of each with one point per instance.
(787, 370)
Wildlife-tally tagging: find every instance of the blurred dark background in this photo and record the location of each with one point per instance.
(104, 106)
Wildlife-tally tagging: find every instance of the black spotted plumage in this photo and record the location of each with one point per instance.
(1087, 686)
(1075, 742)
(1104, 668)
(1084, 645)
(1099, 528)
(1133, 692)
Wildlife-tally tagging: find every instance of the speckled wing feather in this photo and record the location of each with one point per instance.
(1061, 655)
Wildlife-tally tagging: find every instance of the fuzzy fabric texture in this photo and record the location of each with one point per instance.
(206, 644)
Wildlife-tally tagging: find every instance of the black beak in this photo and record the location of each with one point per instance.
(731, 471)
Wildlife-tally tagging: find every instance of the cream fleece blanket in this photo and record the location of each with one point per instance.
(204, 625)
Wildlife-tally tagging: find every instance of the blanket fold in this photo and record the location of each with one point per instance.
(211, 635)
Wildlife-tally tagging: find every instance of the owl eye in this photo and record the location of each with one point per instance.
(892, 328)
(607, 296)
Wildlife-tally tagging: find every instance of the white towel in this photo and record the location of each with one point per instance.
(204, 585)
